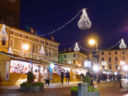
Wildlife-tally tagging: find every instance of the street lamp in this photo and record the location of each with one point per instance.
(125, 67)
(93, 42)
(122, 63)
(95, 67)
(25, 47)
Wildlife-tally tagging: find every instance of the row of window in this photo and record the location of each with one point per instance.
(109, 53)
(110, 67)
(110, 59)
(49, 52)
(75, 62)
(36, 40)
(74, 55)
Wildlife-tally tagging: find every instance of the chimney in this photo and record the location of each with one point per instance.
(31, 30)
(52, 38)
(70, 49)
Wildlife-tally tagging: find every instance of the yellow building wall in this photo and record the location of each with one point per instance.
(3, 48)
(17, 37)
(3, 60)
(113, 62)
(78, 60)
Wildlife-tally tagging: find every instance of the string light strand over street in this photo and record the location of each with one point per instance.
(83, 23)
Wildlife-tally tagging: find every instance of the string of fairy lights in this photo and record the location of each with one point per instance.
(83, 23)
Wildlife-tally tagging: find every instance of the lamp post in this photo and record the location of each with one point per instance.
(95, 67)
(93, 42)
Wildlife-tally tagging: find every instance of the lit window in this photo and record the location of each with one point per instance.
(109, 59)
(64, 56)
(46, 43)
(116, 66)
(20, 35)
(102, 53)
(123, 52)
(11, 32)
(103, 66)
(26, 37)
(42, 42)
(116, 59)
(110, 67)
(123, 58)
(102, 59)
(109, 53)
(3, 41)
(116, 52)
(74, 55)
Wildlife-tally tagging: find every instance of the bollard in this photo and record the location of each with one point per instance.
(82, 89)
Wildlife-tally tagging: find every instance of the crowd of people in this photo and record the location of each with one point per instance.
(93, 76)
(67, 75)
(62, 75)
(104, 77)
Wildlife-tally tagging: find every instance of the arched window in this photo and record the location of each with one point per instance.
(3, 41)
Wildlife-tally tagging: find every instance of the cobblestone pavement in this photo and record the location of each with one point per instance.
(59, 91)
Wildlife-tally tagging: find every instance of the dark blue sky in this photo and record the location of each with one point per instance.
(109, 19)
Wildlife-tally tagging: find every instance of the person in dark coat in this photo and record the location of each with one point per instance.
(119, 80)
(68, 77)
(62, 77)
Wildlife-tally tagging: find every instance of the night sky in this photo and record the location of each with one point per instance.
(109, 20)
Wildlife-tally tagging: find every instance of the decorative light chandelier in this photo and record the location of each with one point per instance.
(84, 23)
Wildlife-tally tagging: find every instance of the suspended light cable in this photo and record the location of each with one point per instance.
(63, 26)
(112, 46)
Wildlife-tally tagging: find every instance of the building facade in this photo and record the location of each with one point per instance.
(110, 59)
(16, 40)
(21, 52)
(71, 57)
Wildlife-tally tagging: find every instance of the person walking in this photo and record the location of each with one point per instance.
(67, 77)
(119, 80)
(62, 77)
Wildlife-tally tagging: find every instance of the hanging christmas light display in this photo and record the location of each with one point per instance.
(10, 50)
(42, 50)
(3, 33)
(122, 44)
(76, 48)
(84, 23)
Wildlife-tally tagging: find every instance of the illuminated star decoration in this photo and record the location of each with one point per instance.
(84, 23)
